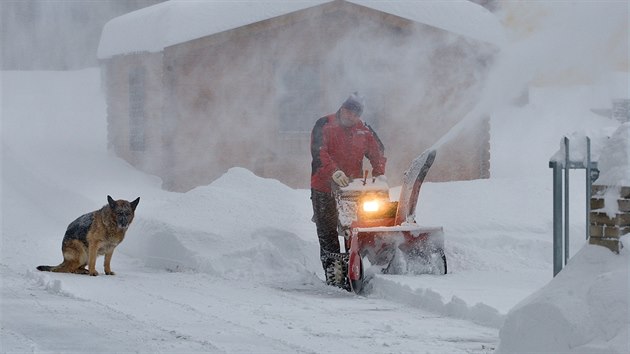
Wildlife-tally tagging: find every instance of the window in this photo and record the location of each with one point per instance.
(137, 109)
(299, 103)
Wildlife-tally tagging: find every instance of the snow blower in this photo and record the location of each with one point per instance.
(384, 233)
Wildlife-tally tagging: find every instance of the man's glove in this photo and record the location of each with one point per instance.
(340, 178)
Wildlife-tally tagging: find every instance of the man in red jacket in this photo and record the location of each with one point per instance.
(339, 142)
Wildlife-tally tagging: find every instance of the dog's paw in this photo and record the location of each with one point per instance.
(110, 273)
(93, 273)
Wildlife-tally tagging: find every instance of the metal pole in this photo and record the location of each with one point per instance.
(588, 187)
(566, 200)
(557, 217)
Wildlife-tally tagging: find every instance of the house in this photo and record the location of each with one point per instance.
(195, 88)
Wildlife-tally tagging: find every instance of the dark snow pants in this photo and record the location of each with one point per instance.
(325, 218)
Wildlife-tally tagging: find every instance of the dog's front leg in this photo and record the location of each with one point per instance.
(108, 259)
(92, 254)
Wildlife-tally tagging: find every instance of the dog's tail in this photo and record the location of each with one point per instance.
(45, 268)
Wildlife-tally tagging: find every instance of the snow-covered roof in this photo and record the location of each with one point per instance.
(458, 16)
(176, 21)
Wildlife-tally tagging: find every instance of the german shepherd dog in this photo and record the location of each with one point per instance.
(94, 234)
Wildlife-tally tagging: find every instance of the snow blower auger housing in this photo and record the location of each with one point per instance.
(383, 232)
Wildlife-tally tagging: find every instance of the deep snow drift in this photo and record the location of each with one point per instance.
(233, 266)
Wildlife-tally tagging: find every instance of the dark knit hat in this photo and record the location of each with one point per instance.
(354, 103)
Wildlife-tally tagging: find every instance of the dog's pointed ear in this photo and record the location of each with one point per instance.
(111, 202)
(134, 204)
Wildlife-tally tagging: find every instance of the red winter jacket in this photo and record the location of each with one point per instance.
(335, 147)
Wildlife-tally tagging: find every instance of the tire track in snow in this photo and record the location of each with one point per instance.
(371, 323)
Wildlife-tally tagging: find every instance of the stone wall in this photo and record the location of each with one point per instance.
(604, 230)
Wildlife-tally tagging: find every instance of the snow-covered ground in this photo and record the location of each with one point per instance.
(233, 266)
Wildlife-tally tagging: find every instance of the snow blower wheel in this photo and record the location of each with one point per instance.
(357, 285)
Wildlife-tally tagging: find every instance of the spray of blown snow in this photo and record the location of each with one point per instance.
(570, 41)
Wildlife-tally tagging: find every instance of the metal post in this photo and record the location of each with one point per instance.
(588, 187)
(560, 229)
(557, 217)
(566, 200)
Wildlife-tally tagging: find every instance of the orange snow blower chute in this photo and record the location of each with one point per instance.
(385, 233)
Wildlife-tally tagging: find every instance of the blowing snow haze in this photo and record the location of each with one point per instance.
(271, 85)
(56, 34)
(233, 266)
(565, 43)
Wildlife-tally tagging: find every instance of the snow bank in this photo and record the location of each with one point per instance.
(584, 309)
(391, 288)
(230, 228)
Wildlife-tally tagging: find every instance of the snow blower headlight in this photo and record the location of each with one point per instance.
(376, 207)
(371, 206)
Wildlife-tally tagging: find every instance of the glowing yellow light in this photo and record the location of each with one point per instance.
(370, 205)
